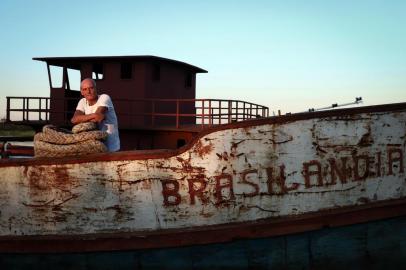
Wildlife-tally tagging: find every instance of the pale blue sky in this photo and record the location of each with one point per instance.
(288, 55)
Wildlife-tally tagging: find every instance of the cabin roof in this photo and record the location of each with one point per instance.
(74, 61)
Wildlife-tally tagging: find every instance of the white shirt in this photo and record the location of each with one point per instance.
(109, 123)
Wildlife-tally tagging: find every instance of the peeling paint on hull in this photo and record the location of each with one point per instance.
(264, 170)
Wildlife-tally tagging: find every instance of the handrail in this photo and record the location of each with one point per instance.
(26, 108)
(159, 111)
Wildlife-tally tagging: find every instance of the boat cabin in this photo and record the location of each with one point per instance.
(154, 98)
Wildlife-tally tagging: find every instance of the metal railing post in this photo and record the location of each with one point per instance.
(152, 113)
(220, 112)
(210, 114)
(8, 110)
(202, 113)
(229, 111)
(65, 105)
(28, 109)
(47, 109)
(23, 109)
(236, 111)
(177, 113)
(39, 109)
(243, 113)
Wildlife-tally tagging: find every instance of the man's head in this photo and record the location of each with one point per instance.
(88, 89)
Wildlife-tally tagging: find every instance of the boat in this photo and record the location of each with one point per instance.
(309, 190)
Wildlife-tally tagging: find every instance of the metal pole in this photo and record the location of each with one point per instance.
(152, 112)
(8, 109)
(47, 110)
(177, 113)
(39, 109)
(28, 109)
(219, 112)
(229, 111)
(23, 109)
(203, 114)
(49, 76)
(335, 105)
(236, 111)
(210, 114)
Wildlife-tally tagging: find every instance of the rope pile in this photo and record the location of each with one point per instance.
(56, 142)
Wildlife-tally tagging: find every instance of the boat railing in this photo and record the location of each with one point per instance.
(141, 112)
(28, 108)
(10, 146)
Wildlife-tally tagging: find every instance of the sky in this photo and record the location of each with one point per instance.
(287, 55)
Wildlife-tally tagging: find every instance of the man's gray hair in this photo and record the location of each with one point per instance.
(86, 79)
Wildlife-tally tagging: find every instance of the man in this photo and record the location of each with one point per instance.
(99, 109)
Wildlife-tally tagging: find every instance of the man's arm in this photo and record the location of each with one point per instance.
(98, 116)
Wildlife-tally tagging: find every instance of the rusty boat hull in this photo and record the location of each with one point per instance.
(371, 245)
(264, 178)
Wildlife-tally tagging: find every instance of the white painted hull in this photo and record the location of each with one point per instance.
(265, 169)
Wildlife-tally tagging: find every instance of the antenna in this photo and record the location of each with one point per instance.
(358, 100)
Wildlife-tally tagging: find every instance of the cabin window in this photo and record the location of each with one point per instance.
(97, 72)
(126, 70)
(188, 79)
(74, 79)
(156, 72)
(56, 76)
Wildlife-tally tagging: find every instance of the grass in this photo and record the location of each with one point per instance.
(16, 130)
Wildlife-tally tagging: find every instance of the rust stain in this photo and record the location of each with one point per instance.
(49, 188)
(366, 139)
(42, 178)
(206, 214)
(61, 178)
(186, 167)
(40, 204)
(115, 207)
(247, 130)
(320, 151)
(146, 183)
(121, 212)
(120, 178)
(234, 145)
(90, 209)
(36, 178)
(261, 208)
(364, 200)
(203, 150)
(223, 156)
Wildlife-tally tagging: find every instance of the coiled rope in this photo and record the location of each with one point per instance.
(83, 139)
